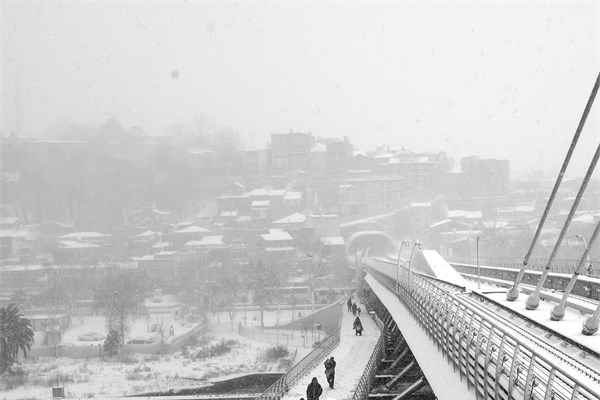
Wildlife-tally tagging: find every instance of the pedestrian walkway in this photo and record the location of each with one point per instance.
(351, 355)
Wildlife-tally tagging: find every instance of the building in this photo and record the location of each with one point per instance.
(484, 177)
(351, 201)
(291, 151)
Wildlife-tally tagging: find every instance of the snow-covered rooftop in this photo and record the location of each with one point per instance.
(292, 195)
(276, 235)
(464, 214)
(216, 240)
(261, 203)
(85, 235)
(333, 241)
(295, 218)
(72, 244)
(193, 229)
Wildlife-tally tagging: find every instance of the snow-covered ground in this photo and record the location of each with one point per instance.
(85, 378)
(351, 355)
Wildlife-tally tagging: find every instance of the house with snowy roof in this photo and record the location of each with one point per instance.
(277, 242)
(292, 221)
(192, 232)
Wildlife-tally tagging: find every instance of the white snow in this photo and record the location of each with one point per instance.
(351, 355)
(440, 374)
(144, 373)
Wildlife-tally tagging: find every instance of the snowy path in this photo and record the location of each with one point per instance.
(351, 355)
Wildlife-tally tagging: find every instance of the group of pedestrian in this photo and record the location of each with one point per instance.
(314, 388)
(352, 307)
(357, 325)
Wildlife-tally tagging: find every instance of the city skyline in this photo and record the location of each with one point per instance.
(516, 76)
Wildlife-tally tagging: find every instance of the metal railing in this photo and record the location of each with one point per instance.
(293, 338)
(561, 266)
(364, 384)
(495, 360)
(277, 390)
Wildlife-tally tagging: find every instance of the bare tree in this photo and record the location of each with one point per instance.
(119, 297)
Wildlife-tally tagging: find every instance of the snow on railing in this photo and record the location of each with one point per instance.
(560, 266)
(277, 390)
(495, 360)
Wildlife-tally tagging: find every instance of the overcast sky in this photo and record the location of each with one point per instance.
(496, 79)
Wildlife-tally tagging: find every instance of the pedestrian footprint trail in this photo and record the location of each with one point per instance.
(351, 354)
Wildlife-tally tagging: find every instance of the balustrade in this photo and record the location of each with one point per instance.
(494, 360)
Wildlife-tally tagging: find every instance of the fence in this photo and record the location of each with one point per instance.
(298, 371)
(97, 350)
(292, 338)
(561, 266)
(584, 287)
(328, 318)
(496, 361)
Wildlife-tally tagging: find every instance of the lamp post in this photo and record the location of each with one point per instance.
(312, 281)
(585, 248)
(478, 266)
(416, 244)
(404, 243)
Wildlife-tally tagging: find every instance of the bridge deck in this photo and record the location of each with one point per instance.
(351, 355)
(440, 374)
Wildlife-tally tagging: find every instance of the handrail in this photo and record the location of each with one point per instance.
(277, 390)
(495, 361)
(561, 266)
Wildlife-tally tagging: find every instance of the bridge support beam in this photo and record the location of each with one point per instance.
(398, 360)
(419, 383)
(399, 346)
(388, 386)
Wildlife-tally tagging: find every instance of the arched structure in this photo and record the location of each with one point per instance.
(378, 243)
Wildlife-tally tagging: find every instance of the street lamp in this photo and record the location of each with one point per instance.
(312, 281)
(478, 266)
(416, 244)
(404, 243)
(585, 248)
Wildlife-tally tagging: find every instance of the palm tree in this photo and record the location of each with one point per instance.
(15, 335)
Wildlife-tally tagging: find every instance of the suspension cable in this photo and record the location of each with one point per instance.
(513, 293)
(534, 298)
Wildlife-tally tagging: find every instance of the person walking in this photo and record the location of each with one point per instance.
(349, 304)
(354, 309)
(330, 371)
(313, 390)
(358, 310)
(357, 326)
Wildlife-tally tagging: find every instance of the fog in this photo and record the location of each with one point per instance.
(504, 80)
(187, 190)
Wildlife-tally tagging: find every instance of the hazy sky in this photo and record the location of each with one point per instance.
(497, 79)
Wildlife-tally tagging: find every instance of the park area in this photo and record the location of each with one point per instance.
(214, 351)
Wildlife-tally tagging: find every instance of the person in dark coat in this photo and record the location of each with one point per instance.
(358, 310)
(313, 390)
(330, 371)
(354, 308)
(357, 326)
(349, 304)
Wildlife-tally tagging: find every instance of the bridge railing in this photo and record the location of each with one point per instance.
(561, 266)
(494, 360)
(277, 390)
